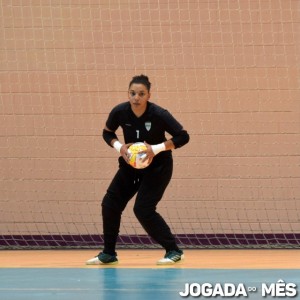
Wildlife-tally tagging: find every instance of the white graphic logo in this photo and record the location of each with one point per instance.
(148, 125)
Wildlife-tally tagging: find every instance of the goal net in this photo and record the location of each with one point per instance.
(227, 69)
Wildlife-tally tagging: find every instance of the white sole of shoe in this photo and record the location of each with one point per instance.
(95, 261)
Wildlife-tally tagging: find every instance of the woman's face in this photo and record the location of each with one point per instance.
(138, 96)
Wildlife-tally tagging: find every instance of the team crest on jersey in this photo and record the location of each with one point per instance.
(148, 125)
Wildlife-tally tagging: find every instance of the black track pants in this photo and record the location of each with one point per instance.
(149, 184)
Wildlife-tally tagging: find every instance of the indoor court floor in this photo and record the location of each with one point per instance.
(63, 275)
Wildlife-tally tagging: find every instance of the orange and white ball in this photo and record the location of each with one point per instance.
(136, 159)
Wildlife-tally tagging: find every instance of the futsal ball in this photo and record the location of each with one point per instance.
(135, 159)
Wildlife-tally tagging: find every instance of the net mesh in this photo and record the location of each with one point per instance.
(227, 69)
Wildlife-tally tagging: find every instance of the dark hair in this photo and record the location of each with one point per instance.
(143, 79)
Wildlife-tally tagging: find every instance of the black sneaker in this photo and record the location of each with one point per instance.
(103, 259)
(171, 257)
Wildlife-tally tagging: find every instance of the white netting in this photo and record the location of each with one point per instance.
(227, 69)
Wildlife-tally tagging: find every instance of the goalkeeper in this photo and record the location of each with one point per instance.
(141, 121)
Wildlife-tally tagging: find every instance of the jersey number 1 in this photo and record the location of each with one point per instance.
(137, 134)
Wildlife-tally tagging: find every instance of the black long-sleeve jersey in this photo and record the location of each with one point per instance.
(150, 127)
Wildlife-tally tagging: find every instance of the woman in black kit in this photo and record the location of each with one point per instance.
(141, 121)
